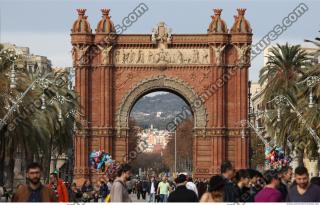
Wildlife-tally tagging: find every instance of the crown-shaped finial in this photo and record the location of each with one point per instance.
(81, 12)
(241, 11)
(217, 11)
(105, 12)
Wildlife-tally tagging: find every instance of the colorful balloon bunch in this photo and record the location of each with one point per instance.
(100, 160)
(276, 159)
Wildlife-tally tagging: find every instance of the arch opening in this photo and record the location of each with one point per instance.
(151, 146)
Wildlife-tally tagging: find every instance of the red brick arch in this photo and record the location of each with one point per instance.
(210, 71)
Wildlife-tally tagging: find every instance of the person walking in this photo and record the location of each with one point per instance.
(202, 188)
(285, 182)
(303, 191)
(109, 183)
(145, 188)
(216, 190)
(152, 189)
(181, 193)
(242, 184)
(87, 190)
(139, 188)
(104, 191)
(163, 189)
(130, 186)
(119, 191)
(74, 193)
(227, 172)
(254, 186)
(34, 191)
(190, 185)
(270, 193)
(58, 186)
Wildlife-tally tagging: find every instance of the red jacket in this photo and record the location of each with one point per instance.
(63, 195)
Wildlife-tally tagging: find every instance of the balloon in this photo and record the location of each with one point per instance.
(275, 158)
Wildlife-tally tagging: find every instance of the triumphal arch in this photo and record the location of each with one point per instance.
(209, 71)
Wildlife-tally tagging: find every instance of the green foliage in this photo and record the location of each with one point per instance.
(288, 65)
(37, 133)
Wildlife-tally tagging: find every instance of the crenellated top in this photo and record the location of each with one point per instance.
(105, 25)
(241, 24)
(81, 25)
(217, 25)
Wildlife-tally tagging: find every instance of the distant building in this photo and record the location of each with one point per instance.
(256, 104)
(156, 139)
(33, 63)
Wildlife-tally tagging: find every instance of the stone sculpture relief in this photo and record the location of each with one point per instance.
(161, 33)
(243, 54)
(218, 50)
(161, 56)
(105, 53)
(79, 54)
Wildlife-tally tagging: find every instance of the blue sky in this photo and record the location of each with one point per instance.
(44, 26)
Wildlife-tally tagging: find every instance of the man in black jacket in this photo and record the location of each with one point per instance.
(227, 172)
(182, 194)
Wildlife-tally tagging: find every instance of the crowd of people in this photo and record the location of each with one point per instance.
(244, 185)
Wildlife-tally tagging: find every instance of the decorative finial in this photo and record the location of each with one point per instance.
(217, 11)
(241, 11)
(105, 12)
(81, 12)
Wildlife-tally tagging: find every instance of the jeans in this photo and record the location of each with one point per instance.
(163, 198)
(152, 197)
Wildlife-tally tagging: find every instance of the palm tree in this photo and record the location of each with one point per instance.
(37, 133)
(311, 114)
(284, 67)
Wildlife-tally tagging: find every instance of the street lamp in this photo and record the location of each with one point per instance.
(256, 130)
(311, 82)
(282, 100)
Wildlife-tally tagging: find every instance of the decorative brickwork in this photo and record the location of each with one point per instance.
(209, 71)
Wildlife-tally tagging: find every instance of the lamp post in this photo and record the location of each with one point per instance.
(311, 82)
(285, 101)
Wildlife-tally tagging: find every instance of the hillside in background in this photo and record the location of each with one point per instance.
(157, 110)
